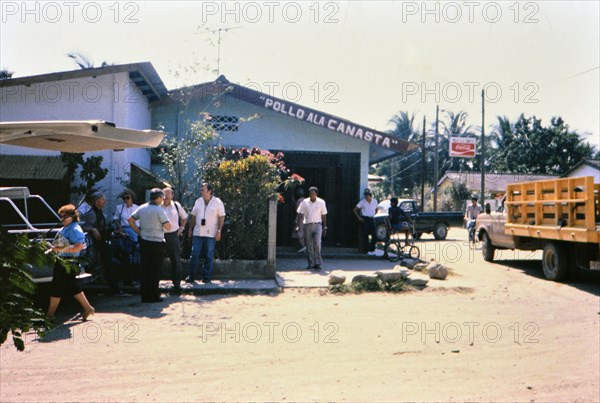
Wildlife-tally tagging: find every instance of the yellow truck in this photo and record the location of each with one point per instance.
(559, 216)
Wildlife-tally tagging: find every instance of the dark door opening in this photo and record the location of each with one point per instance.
(337, 176)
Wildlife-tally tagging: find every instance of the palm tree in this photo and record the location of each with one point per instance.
(453, 125)
(83, 61)
(5, 74)
(402, 171)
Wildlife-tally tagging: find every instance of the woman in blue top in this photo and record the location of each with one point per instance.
(69, 242)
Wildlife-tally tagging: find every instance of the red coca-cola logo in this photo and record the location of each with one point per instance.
(463, 147)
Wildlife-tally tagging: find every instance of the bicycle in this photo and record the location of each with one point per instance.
(395, 249)
(472, 236)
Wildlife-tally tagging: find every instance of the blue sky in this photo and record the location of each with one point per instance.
(363, 61)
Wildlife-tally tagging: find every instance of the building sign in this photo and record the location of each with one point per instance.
(463, 147)
(320, 119)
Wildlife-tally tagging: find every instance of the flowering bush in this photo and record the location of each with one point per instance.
(244, 182)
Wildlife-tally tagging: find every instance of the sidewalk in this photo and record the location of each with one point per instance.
(292, 273)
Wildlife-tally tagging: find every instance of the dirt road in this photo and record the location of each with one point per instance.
(489, 332)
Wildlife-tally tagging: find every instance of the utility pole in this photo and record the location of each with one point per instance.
(436, 167)
(423, 168)
(483, 148)
(392, 174)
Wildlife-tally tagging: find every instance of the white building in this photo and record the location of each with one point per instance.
(330, 152)
(119, 94)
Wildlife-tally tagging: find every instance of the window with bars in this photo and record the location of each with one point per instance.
(223, 123)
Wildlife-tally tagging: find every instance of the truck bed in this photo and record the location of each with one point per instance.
(566, 209)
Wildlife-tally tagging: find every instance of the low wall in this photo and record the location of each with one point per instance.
(229, 270)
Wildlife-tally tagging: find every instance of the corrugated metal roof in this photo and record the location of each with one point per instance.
(32, 167)
(494, 182)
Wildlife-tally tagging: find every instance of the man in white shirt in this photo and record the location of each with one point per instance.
(312, 212)
(473, 210)
(365, 212)
(178, 218)
(206, 223)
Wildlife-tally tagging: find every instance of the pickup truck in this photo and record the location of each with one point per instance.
(438, 223)
(559, 216)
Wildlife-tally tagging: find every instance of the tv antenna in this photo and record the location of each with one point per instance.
(218, 32)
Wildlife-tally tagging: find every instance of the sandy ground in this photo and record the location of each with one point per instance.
(489, 332)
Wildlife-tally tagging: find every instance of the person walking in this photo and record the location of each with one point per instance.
(365, 213)
(177, 218)
(312, 214)
(153, 224)
(69, 243)
(206, 224)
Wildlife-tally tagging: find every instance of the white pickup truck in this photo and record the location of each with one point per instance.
(559, 216)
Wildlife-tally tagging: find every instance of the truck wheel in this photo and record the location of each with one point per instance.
(555, 261)
(487, 249)
(381, 232)
(440, 231)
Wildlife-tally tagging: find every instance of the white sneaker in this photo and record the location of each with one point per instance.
(372, 253)
(301, 249)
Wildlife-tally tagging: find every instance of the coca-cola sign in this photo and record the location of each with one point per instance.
(463, 147)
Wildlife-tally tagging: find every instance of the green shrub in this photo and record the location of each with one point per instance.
(245, 185)
(18, 315)
(360, 286)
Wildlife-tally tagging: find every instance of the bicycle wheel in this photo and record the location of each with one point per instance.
(411, 251)
(472, 238)
(393, 250)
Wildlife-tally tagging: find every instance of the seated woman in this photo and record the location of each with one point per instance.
(69, 242)
(399, 220)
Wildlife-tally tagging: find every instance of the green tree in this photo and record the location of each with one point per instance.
(91, 170)
(453, 125)
(404, 171)
(453, 198)
(5, 74)
(18, 314)
(529, 147)
(185, 159)
(83, 61)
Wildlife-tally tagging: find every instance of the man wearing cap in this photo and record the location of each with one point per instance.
(94, 223)
(365, 212)
(312, 212)
(153, 222)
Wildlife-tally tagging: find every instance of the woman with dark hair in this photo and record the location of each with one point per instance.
(123, 212)
(126, 239)
(69, 242)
